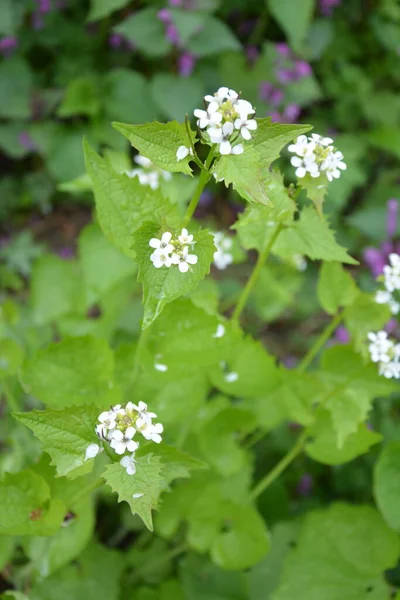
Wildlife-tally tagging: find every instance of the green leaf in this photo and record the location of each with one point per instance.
(387, 484)
(175, 463)
(159, 142)
(65, 435)
(176, 96)
(73, 371)
(275, 290)
(146, 31)
(16, 84)
(122, 203)
(333, 558)
(81, 98)
(27, 507)
(217, 439)
(8, 17)
(311, 236)
(245, 541)
(188, 22)
(56, 289)
(336, 287)
(213, 37)
(295, 23)
(7, 546)
(127, 96)
(270, 138)
(147, 482)
(103, 265)
(164, 285)
(363, 316)
(324, 445)
(102, 8)
(11, 357)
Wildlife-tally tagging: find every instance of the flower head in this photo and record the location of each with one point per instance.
(222, 256)
(173, 250)
(316, 156)
(129, 463)
(386, 353)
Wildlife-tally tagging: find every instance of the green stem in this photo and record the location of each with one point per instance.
(280, 466)
(262, 257)
(203, 179)
(11, 399)
(144, 334)
(320, 342)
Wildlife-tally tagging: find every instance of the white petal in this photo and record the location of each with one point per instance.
(200, 114)
(252, 124)
(154, 243)
(125, 461)
(183, 267)
(156, 438)
(131, 468)
(118, 436)
(192, 259)
(91, 451)
(182, 153)
(245, 133)
(227, 128)
(301, 172)
(225, 148)
(166, 237)
(238, 149)
(120, 447)
(132, 446)
(296, 161)
(130, 432)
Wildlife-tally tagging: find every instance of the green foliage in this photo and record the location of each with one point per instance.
(336, 287)
(387, 484)
(294, 23)
(65, 435)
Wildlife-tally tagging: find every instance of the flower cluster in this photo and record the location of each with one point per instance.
(148, 173)
(222, 256)
(386, 353)
(119, 425)
(316, 156)
(227, 118)
(391, 281)
(171, 250)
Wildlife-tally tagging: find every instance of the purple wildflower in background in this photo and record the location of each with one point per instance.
(186, 64)
(283, 49)
(305, 485)
(44, 6)
(276, 97)
(276, 116)
(327, 6)
(172, 34)
(8, 45)
(26, 141)
(302, 69)
(376, 258)
(66, 253)
(164, 16)
(291, 113)
(285, 76)
(175, 2)
(115, 40)
(342, 335)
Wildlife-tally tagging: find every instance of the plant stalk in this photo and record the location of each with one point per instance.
(320, 342)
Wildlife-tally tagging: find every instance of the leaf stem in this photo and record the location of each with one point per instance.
(203, 179)
(141, 342)
(262, 257)
(320, 342)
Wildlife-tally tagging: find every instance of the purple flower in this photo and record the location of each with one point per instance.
(37, 21)
(276, 96)
(283, 49)
(66, 253)
(305, 485)
(44, 6)
(291, 113)
(164, 15)
(186, 64)
(342, 335)
(375, 260)
(302, 68)
(115, 40)
(26, 141)
(391, 326)
(8, 45)
(172, 34)
(392, 214)
(327, 6)
(276, 116)
(285, 76)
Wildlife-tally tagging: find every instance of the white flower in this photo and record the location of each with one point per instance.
(163, 244)
(380, 346)
(92, 450)
(231, 377)
(128, 462)
(185, 238)
(223, 243)
(184, 260)
(246, 125)
(141, 408)
(123, 441)
(220, 331)
(391, 273)
(183, 152)
(160, 259)
(150, 431)
(149, 174)
(315, 156)
(385, 297)
(103, 433)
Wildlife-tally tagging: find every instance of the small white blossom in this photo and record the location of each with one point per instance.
(220, 331)
(222, 256)
(386, 353)
(123, 441)
(171, 251)
(231, 377)
(150, 431)
(183, 152)
(148, 173)
(184, 238)
(184, 260)
(92, 450)
(390, 295)
(160, 259)
(129, 463)
(225, 118)
(164, 243)
(316, 156)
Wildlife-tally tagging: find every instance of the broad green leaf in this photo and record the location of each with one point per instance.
(159, 142)
(217, 439)
(16, 86)
(387, 484)
(27, 507)
(188, 22)
(295, 23)
(8, 17)
(81, 98)
(127, 96)
(65, 435)
(141, 490)
(95, 575)
(102, 8)
(275, 290)
(270, 138)
(11, 357)
(311, 236)
(202, 580)
(212, 38)
(176, 96)
(336, 287)
(103, 265)
(164, 285)
(363, 316)
(316, 189)
(334, 559)
(244, 542)
(248, 370)
(175, 463)
(122, 203)
(73, 371)
(56, 289)
(146, 31)
(324, 447)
